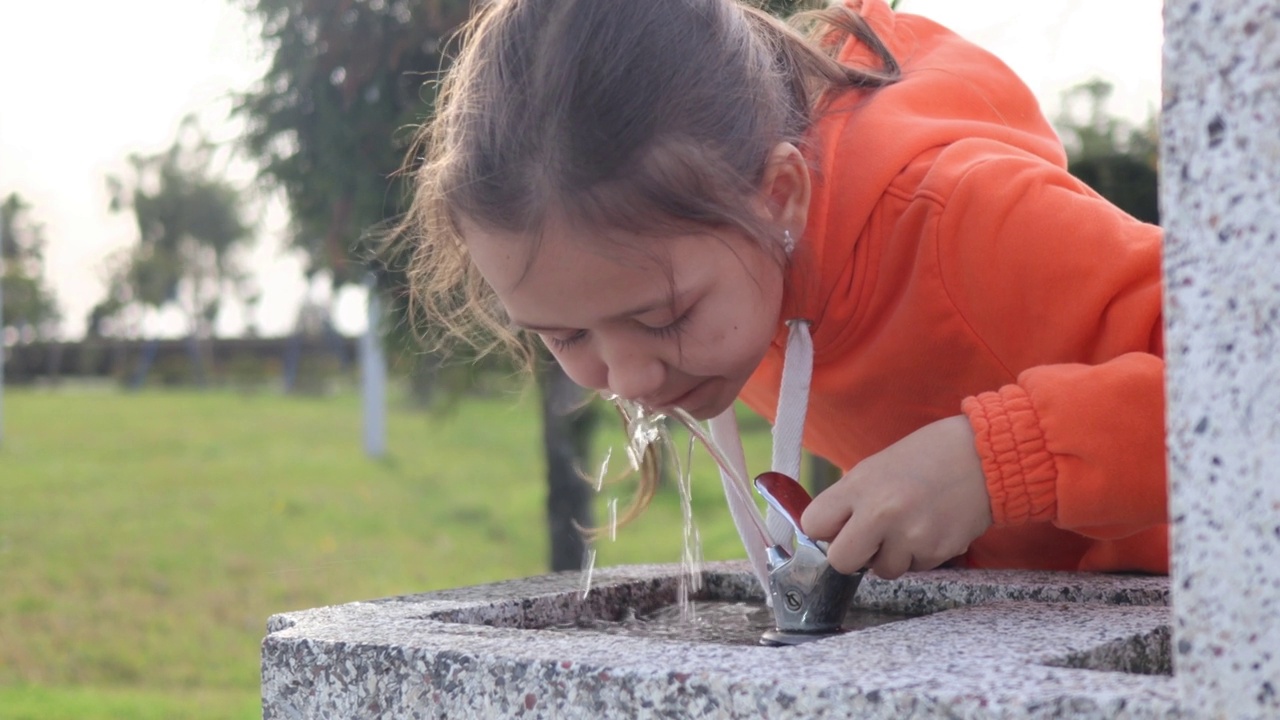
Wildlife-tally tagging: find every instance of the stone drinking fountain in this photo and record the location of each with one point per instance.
(1204, 642)
(960, 643)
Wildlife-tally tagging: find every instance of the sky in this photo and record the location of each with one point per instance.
(86, 83)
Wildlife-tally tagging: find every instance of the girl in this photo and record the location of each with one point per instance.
(672, 193)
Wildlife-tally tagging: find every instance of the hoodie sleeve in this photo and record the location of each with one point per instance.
(1063, 289)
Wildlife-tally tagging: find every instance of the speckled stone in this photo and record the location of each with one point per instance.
(994, 645)
(1220, 200)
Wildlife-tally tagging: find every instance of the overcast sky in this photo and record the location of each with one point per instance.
(88, 82)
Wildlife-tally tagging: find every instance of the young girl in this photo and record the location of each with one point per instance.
(671, 193)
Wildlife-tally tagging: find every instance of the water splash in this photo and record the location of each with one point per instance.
(644, 430)
(691, 544)
(604, 469)
(740, 484)
(588, 569)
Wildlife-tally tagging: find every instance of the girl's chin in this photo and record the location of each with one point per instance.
(706, 414)
(713, 404)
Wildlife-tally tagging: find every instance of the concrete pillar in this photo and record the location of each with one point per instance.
(1220, 205)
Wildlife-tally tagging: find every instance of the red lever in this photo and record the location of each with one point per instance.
(783, 493)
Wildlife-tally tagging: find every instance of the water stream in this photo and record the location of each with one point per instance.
(645, 429)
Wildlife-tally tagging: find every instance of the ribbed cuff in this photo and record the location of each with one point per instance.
(1021, 474)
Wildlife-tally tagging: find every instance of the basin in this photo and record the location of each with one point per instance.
(955, 643)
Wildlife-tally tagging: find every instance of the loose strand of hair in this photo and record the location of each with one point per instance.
(448, 301)
(807, 46)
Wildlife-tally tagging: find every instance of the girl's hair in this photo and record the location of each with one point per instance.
(639, 116)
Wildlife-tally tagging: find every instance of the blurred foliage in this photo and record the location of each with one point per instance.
(29, 304)
(331, 120)
(1115, 158)
(330, 124)
(189, 224)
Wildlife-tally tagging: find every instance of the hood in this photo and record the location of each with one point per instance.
(950, 91)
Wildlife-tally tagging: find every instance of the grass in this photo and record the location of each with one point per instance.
(145, 538)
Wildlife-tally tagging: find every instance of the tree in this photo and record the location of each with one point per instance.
(330, 123)
(568, 422)
(189, 227)
(1113, 157)
(30, 306)
(331, 119)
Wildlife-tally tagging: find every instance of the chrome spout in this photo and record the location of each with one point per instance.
(810, 598)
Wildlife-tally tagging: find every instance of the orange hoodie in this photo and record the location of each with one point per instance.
(952, 265)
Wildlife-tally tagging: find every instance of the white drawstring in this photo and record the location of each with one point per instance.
(788, 426)
(788, 434)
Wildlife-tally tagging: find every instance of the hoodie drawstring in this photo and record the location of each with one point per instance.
(788, 434)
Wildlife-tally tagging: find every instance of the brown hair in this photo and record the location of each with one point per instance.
(632, 115)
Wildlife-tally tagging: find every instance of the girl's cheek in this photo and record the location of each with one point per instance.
(584, 369)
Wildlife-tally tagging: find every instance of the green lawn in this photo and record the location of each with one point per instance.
(145, 538)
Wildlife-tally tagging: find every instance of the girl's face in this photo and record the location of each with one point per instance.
(667, 322)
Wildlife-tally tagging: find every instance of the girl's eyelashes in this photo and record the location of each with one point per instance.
(671, 329)
(664, 332)
(565, 343)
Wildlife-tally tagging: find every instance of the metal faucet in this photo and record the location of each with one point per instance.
(810, 598)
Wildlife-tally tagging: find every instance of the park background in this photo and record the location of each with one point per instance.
(180, 429)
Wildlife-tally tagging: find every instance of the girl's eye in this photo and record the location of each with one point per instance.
(671, 329)
(564, 343)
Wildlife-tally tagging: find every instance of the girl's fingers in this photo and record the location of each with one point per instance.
(891, 562)
(854, 547)
(927, 563)
(827, 514)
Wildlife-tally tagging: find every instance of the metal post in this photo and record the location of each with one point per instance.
(373, 376)
(2, 338)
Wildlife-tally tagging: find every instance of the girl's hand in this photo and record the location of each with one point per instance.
(912, 506)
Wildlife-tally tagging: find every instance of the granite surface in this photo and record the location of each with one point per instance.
(993, 645)
(1220, 172)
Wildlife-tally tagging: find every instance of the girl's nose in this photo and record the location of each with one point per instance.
(636, 376)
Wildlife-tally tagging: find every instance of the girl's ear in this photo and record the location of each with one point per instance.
(784, 193)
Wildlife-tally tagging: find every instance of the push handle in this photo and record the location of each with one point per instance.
(784, 495)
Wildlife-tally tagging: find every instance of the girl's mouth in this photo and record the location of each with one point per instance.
(683, 401)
